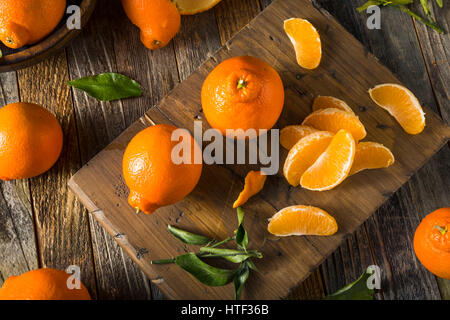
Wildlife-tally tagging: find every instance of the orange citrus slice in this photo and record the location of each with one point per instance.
(333, 166)
(290, 135)
(306, 41)
(325, 102)
(401, 104)
(302, 220)
(371, 155)
(254, 183)
(333, 120)
(303, 154)
(190, 7)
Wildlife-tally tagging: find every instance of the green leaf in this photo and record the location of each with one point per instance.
(235, 256)
(251, 265)
(368, 4)
(188, 237)
(440, 3)
(205, 273)
(356, 290)
(241, 234)
(240, 279)
(403, 2)
(425, 6)
(108, 86)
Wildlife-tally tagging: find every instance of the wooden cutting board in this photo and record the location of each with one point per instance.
(347, 71)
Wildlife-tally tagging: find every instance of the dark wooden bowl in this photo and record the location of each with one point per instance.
(14, 59)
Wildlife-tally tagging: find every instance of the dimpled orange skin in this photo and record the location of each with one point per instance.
(431, 245)
(154, 180)
(31, 140)
(242, 93)
(42, 284)
(26, 22)
(158, 20)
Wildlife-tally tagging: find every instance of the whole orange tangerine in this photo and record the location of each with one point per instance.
(42, 284)
(242, 93)
(31, 140)
(28, 21)
(432, 242)
(154, 178)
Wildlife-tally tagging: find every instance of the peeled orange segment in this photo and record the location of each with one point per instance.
(306, 42)
(190, 7)
(371, 155)
(303, 154)
(302, 220)
(333, 166)
(254, 183)
(290, 135)
(325, 102)
(333, 120)
(401, 104)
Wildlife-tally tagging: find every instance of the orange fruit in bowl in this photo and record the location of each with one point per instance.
(371, 155)
(432, 242)
(333, 165)
(303, 155)
(158, 20)
(254, 183)
(26, 22)
(401, 104)
(155, 179)
(306, 41)
(333, 120)
(302, 220)
(242, 93)
(42, 284)
(290, 135)
(325, 102)
(31, 140)
(189, 7)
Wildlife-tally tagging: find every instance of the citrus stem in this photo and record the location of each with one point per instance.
(164, 261)
(442, 230)
(222, 242)
(241, 84)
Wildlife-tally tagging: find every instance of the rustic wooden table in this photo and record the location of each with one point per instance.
(43, 225)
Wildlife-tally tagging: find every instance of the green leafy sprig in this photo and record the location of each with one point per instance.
(207, 274)
(357, 290)
(402, 6)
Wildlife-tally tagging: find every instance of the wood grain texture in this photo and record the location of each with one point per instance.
(208, 208)
(389, 44)
(18, 252)
(61, 222)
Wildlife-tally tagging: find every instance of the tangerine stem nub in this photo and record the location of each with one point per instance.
(241, 84)
(442, 230)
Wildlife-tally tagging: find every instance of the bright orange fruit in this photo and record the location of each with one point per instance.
(31, 140)
(306, 42)
(254, 183)
(158, 20)
(432, 242)
(153, 177)
(333, 120)
(189, 7)
(26, 22)
(290, 135)
(325, 102)
(371, 155)
(42, 284)
(303, 154)
(333, 166)
(302, 220)
(401, 104)
(242, 93)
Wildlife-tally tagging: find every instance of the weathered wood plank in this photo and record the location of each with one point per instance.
(396, 45)
(18, 252)
(218, 186)
(118, 50)
(61, 223)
